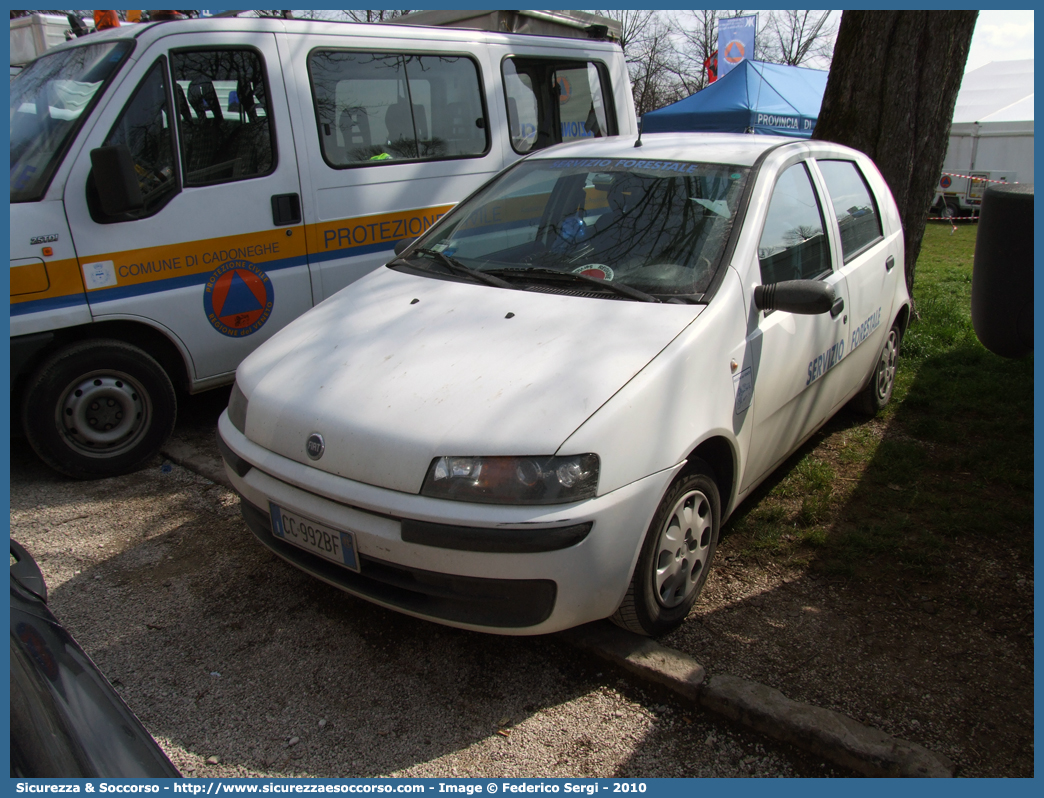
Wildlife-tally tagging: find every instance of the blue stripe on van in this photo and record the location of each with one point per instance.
(351, 252)
(51, 303)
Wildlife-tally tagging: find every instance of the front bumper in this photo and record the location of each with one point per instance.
(512, 570)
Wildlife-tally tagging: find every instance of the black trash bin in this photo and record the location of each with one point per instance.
(1002, 277)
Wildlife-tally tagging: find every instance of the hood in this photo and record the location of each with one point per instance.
(397, 370)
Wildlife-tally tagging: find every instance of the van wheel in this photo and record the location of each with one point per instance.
(676, 555)
(98, 409)
(878, 392)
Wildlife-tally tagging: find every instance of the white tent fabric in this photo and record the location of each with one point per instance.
(1001, 91)
(992, 126)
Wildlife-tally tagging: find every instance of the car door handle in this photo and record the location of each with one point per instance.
(837, 307)
(286, 209)
(890, 263)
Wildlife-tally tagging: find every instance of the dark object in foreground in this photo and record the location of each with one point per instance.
(66, 720)
(1002, 278)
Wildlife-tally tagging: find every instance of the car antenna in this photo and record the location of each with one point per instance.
(641, 124)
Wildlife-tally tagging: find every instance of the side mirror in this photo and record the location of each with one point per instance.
(402, 243)
(116, 180)
(805, 297)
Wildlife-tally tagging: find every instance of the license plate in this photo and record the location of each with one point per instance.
(331, 544)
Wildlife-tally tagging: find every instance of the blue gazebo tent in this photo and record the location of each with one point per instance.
(754, 97)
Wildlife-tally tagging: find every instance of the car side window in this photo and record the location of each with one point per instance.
(793, 243)
(554, 101)
(854, 206)
(222, 112)
(376, 108)
(144, 127)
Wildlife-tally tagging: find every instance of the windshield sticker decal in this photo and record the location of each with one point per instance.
(238, 298)
(661, 166)
(597, 270)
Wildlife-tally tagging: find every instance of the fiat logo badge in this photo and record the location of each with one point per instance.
(315, 446)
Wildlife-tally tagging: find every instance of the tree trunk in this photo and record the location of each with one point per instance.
(891, 92)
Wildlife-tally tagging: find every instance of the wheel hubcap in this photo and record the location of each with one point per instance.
(683, 548)
(886, 368)
(103, 413)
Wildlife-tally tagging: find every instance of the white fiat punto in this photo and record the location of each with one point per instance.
(541, 412)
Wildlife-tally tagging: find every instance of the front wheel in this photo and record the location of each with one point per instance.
(98, 409)
(676, 555)
(878, 392)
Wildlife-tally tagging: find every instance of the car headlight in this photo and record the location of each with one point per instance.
(237, 408)
(513, 480)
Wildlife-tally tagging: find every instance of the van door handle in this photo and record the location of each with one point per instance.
(286, 209)
(890, 263)
(837, 307)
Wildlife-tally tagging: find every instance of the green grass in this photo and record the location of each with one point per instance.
(947, 465)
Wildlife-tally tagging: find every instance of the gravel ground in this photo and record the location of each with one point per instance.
(240, 665)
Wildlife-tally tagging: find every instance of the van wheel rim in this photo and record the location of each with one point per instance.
(103, 413)
(683, 548)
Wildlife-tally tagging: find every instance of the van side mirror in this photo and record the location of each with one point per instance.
(402, 243)
(116, 180)
(805, 297)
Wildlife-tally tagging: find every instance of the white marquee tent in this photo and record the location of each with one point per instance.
(993, 121)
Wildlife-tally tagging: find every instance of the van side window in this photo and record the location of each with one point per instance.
(554, 101)
(222, 112)
(793, 243)
(857, 215)
(375, 108)
(144, 128)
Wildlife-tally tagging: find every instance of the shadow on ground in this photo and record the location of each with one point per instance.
(909, 606)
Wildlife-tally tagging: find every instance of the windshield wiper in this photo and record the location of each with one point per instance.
(619, 288)
(454, 266)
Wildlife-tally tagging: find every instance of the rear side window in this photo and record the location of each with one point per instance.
(854, 206)
(554, 101)
(793, 244)
(376, 108)
(222, 110)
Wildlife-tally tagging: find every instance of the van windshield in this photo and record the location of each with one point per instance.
(659, 227)
(50, 99)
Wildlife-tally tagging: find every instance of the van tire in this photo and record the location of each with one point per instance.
(98, 409)
(692, 504)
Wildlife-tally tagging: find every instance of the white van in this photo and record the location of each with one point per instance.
(182, 190)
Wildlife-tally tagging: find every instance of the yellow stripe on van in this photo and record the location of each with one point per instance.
(51, 280)
(271, 249)
(379, 231)
(136, 266)
(30, 278)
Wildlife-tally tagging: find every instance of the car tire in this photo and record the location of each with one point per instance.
(98, 409)
(676, 555)
(878, 391)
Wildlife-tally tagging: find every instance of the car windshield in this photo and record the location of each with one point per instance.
(659, 227)
(50, 98)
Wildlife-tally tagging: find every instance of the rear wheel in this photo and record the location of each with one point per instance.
(878, 392)
(676, 556)
(98, 409)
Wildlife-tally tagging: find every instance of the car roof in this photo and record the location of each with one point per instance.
(740, 149)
